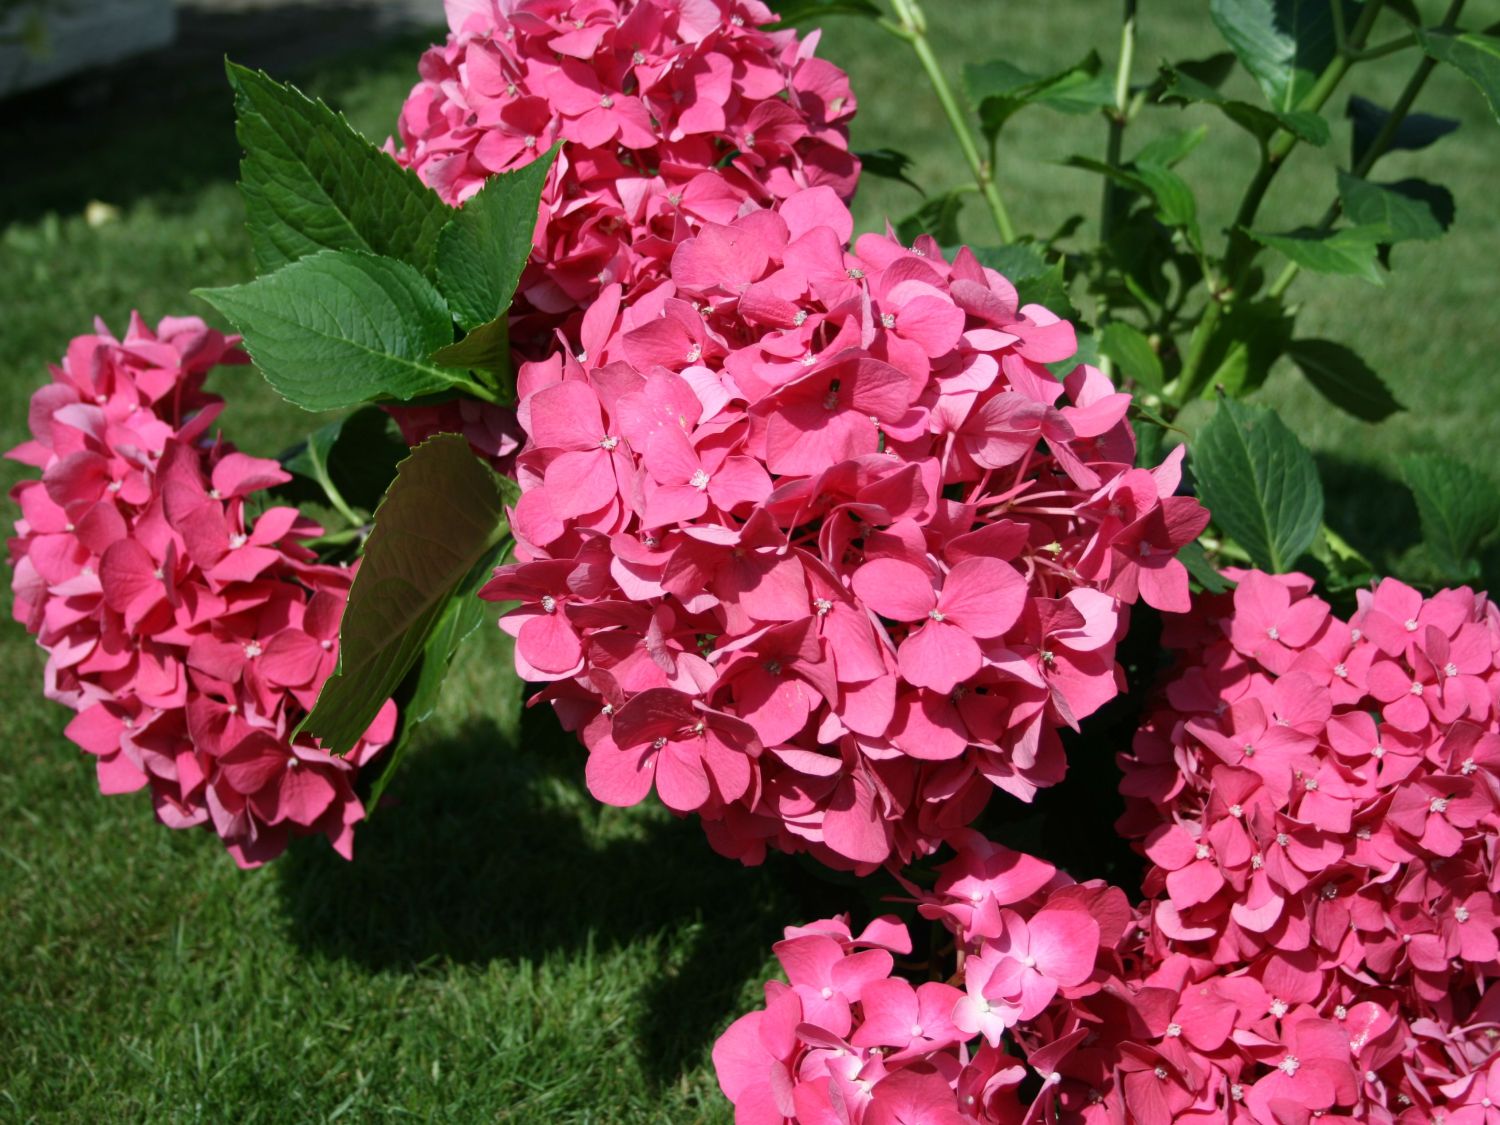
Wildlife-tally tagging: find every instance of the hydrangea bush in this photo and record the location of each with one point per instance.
(827, 536)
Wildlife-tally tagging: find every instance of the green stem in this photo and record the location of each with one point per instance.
(339, 504)
(1378, 147)
(1240, 253)
(1242, 248)
(913, 29)
(1389, 47)
(479, 391)
(339, 538)
(1118, 118)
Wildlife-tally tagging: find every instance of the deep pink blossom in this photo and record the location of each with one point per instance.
(823, 514)
(189, 636)
(672, 116)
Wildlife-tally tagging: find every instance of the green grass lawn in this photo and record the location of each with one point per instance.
(504, 948)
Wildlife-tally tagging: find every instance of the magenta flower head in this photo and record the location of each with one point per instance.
(847, 1039)
(189, 636)
(812, 542)
(1320, 805)
(673, 116)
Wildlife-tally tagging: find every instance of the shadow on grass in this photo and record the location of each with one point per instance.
(496, 851)
(162, 124)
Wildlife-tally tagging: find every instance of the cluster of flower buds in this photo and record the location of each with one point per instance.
(1320, 804)
(189, 635)
(675, 114)
(813, 542)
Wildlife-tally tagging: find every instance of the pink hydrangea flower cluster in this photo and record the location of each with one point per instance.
(1067, 1005)
(675, 113)
(813, 543)
(189, 634)
(1320, 800)
(846, 1041)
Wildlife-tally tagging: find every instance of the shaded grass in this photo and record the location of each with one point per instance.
(505, 948)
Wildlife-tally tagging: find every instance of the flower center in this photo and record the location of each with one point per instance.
(699, 479)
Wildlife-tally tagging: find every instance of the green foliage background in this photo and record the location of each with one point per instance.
(504, 948)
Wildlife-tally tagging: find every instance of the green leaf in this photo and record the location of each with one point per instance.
(998, 90)
(1284, 44)
(1344, 379)
(1017, 261)
(342, 328)
(1192, 556)
(1183, 89)
(485, 348)
(1050, 290)
(441, 516)
(1416, 131)
(1349, 252)
(311, 183)
(802, 11)
(484, 247)
(1252, 336)
(352, 460)
(461, 617)
(1133, 354)
(937, 217)
(1475, 56)
(1343, 567)
(1175, 205)
(888, 164)
(1459, 507)
(1171, 148)
(1405, 210)
(1259, 482)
